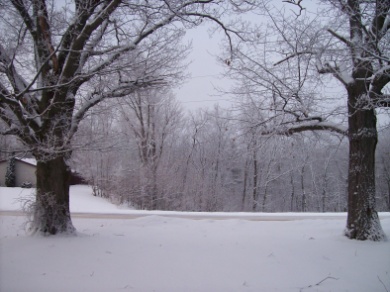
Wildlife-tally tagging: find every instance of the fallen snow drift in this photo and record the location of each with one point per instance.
(157, 253)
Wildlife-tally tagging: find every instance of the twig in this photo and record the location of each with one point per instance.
(383, 284)
(319, 283)
(296, 54)
(297, 3)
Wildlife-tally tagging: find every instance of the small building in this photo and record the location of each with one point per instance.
(25, 169)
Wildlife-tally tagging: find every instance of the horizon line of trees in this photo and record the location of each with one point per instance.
(150, 154)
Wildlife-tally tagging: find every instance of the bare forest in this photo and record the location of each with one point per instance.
(211, 161)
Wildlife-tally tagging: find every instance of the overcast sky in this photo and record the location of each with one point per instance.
(199, 90)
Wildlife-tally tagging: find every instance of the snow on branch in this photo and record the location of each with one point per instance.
(341, 38)
(19, 5)
(10, 108)
(341, 75)
(381, 22)
(75, 50)
(95, 23)
(11, 131)
(118, 51)
(17, 82)
(304, 127)
(378, 101)
(112, 59)
(21, 102)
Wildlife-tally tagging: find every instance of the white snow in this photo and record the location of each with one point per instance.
(159, 253)
(81, 200)
(31, 161)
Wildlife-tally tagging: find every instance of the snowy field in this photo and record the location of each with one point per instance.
(155, 252)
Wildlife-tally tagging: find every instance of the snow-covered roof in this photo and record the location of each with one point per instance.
(31, 161)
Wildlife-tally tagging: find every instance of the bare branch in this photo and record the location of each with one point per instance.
(19, 5)
(226, 30)
(341, 38)
(73, 57)
(17, 81)
(293, 56)
(296, 3)
(304, 127)
(379, 25)
(96, 97)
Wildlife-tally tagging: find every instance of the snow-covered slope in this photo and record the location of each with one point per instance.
(81, 200)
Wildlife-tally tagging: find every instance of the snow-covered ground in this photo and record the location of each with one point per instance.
(159, 253)
(81, 200)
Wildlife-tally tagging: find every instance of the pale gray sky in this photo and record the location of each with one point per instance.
(206, 73)
(199, 90)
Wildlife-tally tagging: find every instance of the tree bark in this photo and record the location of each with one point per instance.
(51, 214)
(363, 221)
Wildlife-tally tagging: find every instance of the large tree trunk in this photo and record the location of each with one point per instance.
(363, 221)
(51, 210)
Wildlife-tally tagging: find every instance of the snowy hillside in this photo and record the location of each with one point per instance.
(81, 200)
(167, 254)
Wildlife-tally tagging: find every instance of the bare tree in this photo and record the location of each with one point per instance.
(364, 72)
(350, 42)
(150, 116)
(96, 146)
(56, 63)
